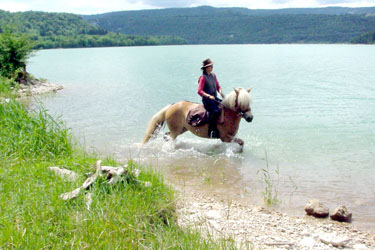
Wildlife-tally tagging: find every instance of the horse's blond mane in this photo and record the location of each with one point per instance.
(244, 99)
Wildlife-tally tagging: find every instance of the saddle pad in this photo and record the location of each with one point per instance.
(197, 116)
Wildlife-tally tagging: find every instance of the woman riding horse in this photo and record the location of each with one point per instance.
(207, 88)
(236, 105)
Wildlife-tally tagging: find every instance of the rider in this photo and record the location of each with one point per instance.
(208, 86)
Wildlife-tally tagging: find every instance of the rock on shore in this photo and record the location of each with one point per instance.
(341, 213)
(260, 228)
(316, 209)
(37, 87)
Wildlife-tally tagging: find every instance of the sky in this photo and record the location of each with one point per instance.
(102, 6)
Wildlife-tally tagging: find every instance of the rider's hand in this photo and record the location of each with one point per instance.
(211, 97)
(222, 95)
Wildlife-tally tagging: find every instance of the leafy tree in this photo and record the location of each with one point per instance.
(15, 49)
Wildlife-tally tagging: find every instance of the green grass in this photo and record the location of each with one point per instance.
(32, 134)
(7, 87)
(128, 215)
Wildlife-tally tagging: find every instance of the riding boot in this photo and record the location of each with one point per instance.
(213, 115)
(213, 132)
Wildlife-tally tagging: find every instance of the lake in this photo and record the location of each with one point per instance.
(313, 129)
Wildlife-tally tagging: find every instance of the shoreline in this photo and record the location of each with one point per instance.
(257, 227)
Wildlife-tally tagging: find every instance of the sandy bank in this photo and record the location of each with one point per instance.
(260, 228)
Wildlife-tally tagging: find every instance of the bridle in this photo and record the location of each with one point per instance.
(239, 112)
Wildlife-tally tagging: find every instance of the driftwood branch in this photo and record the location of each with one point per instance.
(71, 195)
(112, 175)
(64, 173)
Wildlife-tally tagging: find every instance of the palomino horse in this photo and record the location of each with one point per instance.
(236, 105)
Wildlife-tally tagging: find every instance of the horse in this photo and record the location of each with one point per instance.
(236, 105)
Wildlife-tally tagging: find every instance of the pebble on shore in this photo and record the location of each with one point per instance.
(260, 228)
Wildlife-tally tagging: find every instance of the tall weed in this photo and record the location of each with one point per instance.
(270, 193)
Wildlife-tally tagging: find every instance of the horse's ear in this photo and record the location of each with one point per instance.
(248, 90)
(237, 91)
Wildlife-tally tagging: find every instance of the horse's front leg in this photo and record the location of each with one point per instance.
(231, 138)
(236, 140)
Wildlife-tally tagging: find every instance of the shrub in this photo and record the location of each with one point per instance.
(15, 49)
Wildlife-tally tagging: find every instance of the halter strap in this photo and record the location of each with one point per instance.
(236, 102)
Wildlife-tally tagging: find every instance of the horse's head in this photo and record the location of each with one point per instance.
(239, 100)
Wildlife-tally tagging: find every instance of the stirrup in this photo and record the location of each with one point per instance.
(214, 134)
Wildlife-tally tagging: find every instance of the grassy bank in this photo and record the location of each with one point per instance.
(32, 216)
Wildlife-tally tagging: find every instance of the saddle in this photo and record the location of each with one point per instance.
(199, 116)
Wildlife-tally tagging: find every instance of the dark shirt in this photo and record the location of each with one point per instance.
(208, 84)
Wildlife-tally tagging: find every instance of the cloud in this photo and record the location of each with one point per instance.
(256, 4)
(13, 6)
(73, 6)
(100, 6)
(347, 3)
(278, 4)
(170, 3)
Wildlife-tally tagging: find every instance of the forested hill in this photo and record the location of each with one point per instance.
(48, 24)
(64, 30)
(208, 25)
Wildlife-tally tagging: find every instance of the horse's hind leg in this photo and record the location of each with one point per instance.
(176, 131)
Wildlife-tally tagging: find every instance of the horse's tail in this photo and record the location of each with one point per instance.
(155, 123)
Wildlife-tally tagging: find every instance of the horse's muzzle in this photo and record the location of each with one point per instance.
(247, 117)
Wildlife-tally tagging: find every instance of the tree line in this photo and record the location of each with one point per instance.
(201, 25)
(108, 40)
(64, 30)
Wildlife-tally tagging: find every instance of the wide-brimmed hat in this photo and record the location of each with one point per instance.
(207, 63)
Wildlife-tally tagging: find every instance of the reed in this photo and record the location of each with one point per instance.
(270, 193)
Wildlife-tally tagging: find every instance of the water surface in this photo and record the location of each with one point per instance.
(313, 108)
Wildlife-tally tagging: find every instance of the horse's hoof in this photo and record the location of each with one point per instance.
(239, 141)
